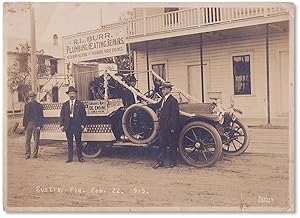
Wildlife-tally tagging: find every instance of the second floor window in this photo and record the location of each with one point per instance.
(167, 10)
(53, 66)
(242, 75)
(23, 62)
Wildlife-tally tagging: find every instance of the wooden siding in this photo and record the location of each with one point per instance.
(219, 54)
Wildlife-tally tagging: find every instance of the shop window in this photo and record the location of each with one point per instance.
(242, 75)
(160, 69)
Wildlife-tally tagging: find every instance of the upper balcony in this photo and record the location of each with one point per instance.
(196, 20)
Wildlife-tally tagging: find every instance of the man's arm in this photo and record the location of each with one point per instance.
(40, 116)
(155, 106)
(25, 115)
(174, 117)
(83, 115)
(62, 115)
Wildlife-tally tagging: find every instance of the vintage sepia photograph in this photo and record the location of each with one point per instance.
(148, 107)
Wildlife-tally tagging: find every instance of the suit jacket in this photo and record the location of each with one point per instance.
(33, 111)
(79, 114)
(168, 115)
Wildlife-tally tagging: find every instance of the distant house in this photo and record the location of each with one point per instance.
(50, 74)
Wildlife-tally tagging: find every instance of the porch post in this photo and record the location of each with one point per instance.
(268, 75)
(147, 61)
(201, 67)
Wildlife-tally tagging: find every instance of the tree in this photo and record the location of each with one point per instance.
(124, 62)
(19, 73)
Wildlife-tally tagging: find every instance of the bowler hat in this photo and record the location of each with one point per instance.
(31, 94)
(71, 89)
(166, 85)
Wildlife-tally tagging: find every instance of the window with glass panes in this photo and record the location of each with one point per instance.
(242, 75)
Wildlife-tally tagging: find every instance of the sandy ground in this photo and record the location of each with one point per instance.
(123, 177)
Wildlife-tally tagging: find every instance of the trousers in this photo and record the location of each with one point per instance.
(76, 131)
(29, 131)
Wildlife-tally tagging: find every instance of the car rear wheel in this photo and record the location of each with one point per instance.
(91, 149)
(200, 144)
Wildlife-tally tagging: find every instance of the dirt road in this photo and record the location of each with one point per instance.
(124, 178)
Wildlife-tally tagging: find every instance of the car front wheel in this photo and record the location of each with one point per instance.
(200, 144)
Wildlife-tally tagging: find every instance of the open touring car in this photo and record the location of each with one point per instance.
(206, 129)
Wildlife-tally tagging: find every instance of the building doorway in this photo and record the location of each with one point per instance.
(194, 80)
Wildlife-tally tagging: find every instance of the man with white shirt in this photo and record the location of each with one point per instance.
(72, 121)
(168, 115)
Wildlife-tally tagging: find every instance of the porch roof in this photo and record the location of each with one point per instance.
(200, 20)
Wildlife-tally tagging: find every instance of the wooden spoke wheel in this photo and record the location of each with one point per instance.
(236, 138)
(200, 144)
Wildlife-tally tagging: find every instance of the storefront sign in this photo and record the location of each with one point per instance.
(95, 44)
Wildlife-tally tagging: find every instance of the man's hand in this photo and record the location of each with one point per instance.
(62, 128)
(172, 130)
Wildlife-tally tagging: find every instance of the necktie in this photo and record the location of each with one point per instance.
(163, 102)
(72, 108)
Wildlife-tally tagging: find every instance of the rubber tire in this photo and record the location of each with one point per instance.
(152, 115)
(245, 144)
(93, 155)
(216, 136)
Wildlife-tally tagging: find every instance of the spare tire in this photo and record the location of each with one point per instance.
(140, 124)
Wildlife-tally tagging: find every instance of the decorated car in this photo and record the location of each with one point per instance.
(206, 129)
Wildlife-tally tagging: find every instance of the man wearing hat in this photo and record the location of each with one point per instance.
(72, 121)
(128, 96)
(32, 122)
(168, 115)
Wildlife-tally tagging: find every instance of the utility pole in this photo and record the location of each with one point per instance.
(268, 76)
(100, 17)
(33, 50)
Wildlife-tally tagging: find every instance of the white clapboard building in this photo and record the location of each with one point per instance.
(246, 52)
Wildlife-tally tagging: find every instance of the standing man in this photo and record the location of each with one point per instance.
(32, 122)
(168, 115)
(72, 121)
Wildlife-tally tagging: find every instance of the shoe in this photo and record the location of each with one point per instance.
(157, 165)
(171, 165)
(69, 160)
(34, 156)
(27, 157)
(81, 160)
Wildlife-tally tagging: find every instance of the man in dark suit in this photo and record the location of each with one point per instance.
(72, 121)
(32, 122)
(128, 96)
(168, 115)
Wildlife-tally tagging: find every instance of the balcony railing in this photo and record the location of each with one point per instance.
(194, 18)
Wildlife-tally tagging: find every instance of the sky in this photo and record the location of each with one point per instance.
(56, 18)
